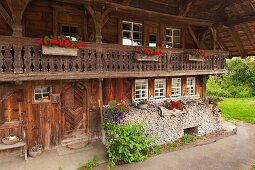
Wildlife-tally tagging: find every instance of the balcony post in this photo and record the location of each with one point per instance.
(18, 64)
(205, 78)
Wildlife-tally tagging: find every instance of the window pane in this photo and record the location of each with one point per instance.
(136, 35)
(167, 32)
(37, 97)
(65, 29)
(136, 27)
(126, 26)
(126, 35)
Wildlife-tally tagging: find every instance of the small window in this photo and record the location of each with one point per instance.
(173, 38)
(176, 87)
(69, 32)
(131, 33)
(191, 86)
(141, 89)
(42, 94)
(153, 41)
(160, 88)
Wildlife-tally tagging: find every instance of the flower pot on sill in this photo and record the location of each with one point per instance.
(142, 106)
(59, 51)
(195, 58)
(144, 57)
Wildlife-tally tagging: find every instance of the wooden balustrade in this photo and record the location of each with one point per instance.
(110, 58)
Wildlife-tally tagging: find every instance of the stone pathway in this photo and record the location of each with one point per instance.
(235, 152)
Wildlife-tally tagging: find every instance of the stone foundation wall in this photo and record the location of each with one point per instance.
(170, 127)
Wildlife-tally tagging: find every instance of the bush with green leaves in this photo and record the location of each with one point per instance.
(90, 164)
(186, 139)
(239, 82)
(128, 142)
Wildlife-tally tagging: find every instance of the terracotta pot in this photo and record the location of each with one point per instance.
(142, 106)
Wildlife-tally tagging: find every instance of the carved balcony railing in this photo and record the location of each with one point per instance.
(21, 59)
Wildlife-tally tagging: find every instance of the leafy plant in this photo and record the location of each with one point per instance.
(143, 101)
(174, 105)
(186, 139)
(172, 145)
(117, 112)
(90, 164)
(253, 167)
(60, 168)
(198, 53)
(128, 142)
(214, 99)
(61, 41)
(151, 51)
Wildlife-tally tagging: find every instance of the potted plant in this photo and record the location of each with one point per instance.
(172, 105)
(60, 45)
(150, 54)
(197, 55)
(142, 104)
(116, 112)
(215, 99)
(35, 151)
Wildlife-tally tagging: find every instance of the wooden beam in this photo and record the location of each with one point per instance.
(133, 11)
(214, 36)
(187, 7)
(126, 2)
(193, 36)
(6, 16)
(237, 42)
(221, 45)
(239, 20)
(248, 33)
(101, 109)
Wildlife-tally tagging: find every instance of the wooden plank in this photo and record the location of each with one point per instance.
(6, 16)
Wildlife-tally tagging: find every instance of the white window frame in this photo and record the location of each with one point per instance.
(189, 86)
(140, 91)
(41, 93)
(168, 43)
(159, 92)
(131, 33)
(177, 88)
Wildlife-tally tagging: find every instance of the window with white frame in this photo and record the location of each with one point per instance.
(176, 87)
(42, 94)
(131, 33)
(160, 88)
(141, 89)
(191, 86)
(173, 38)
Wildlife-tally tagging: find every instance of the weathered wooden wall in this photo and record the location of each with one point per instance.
(43, 18)
(43, 120)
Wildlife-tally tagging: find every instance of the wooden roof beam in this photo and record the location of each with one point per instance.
(249, 34)
(237, 42)
(193, 36)
(126, 2)
(6, 16)
(240, 20)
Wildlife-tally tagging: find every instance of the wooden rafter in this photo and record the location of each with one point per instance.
(6, 16)
(237, 42)
(221, 45)
(248, 33)
(193, 36)
(240, 20)
(126, 2)
(187, 7)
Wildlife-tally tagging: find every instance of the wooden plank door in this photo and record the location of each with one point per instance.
(73, 109)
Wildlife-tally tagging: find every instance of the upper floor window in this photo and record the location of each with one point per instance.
(131, 33)
(160, 88)
(191, 86)
(176, 87)
(42, 94)
(173, 38)
(69, 31)
(141, 89)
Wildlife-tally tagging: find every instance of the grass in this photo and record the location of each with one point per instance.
(239, 109)
(253, 167)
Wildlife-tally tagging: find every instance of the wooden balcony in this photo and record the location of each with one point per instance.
(21, 59)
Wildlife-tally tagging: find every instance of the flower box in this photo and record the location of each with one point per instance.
(175, 112)
(142, 106)
(59, 51)
(144, 57)
(194, 58)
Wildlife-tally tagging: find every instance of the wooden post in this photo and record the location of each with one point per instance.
(214, 38)
(205, 78)
(101, 109)
(18, 58)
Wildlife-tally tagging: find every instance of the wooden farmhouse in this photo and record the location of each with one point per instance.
(54, 100)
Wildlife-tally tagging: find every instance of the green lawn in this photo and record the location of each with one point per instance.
(239, 109)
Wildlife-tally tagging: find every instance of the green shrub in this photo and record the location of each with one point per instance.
(128, 142)
(90, 164)
(172, 145)
(186, 139)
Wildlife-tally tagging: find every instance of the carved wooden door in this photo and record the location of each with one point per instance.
(73, 100)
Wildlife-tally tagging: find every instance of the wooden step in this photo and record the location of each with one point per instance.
(74, 140)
